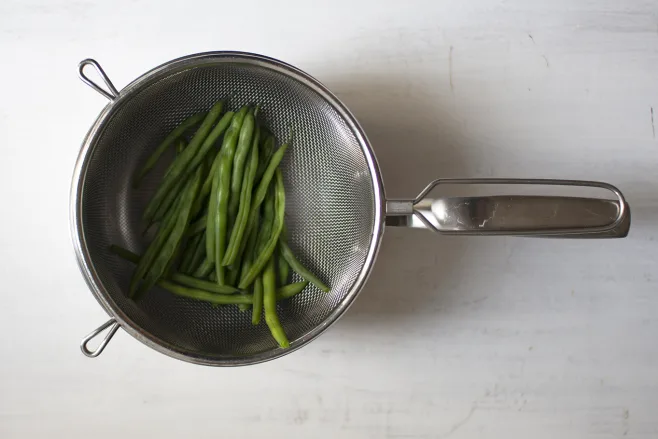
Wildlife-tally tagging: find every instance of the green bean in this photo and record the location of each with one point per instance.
(257, 309)
(232, 273)
(287, 291)
(261, 232)
(170, 139)
(236, 123)
(152, 251)
(167, 253)
(264, 182)
(193, 282)
(198, 226)
(189, 158)
(269, 303)
(268, 248)
(245, 257)
(125, 254)
(211, 218)
(242, 218)
(198, 255)
(283, 268)
(239, 161)
(196, 294)
(178, 277)
(261, 190)
(180, 146)
(168, 201)
(207, 185)
(204, 269)
(188, 254)
(203, 198)
(282, 293)
(223, 190)
(267, 221)
(299, 268)
(249, 248)
(267, 149)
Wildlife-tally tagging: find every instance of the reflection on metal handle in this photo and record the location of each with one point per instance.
(515, 215)
(95, 353)
(112, 94)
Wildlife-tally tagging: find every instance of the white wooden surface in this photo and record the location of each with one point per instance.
(452, 337)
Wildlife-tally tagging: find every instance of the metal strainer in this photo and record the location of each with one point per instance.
(336, 208)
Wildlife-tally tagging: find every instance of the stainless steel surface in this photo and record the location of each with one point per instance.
(112, 93)
(113, 325)
(513, 214)
(330, 174)
(335, 204)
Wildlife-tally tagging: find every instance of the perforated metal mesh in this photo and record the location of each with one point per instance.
(330, 205)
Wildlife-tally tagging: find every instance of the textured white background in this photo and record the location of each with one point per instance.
(452, 337)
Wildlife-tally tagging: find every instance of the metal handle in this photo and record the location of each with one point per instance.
(543, 216)
(112, 94)
(95, 353)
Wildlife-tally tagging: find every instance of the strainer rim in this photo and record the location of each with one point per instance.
(77, 228)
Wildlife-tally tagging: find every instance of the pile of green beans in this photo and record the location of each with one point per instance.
(219, 216)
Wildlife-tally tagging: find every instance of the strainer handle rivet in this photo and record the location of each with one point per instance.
(525, 215)
(113, 325)
(111, 93)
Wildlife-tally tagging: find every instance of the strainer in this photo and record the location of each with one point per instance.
(336, 206)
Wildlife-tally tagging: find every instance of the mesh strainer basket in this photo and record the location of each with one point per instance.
(336, 208)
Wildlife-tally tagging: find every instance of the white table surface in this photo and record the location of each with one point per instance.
(452, 337)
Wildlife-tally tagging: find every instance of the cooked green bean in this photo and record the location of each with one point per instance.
(184, 164)
(267, 220)
(239, 161)
(283, 268)
(198, 256)
(181, 166)
(207, 185)
(250, 248)
(287, 291)
(261, 231)
(268, 248)
(170, 139)
(257, 309)
(242, 218)
(152, 250)
(232, 273)
(198, 226)
(168, 201)
(203, 270)
(182, 279)
(298, 268)
(196, 294)
(180, 146)
(269, 303)
(167, 252)
(223, 190)
(188, 254)
(264, 182)
(261, 190)
(211, 218)
(206, 189)
(205, 285)
(125, 254)
(267, 149)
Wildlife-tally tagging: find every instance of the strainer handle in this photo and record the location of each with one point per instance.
(112, 94)
(540, 216)
(113, 325)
